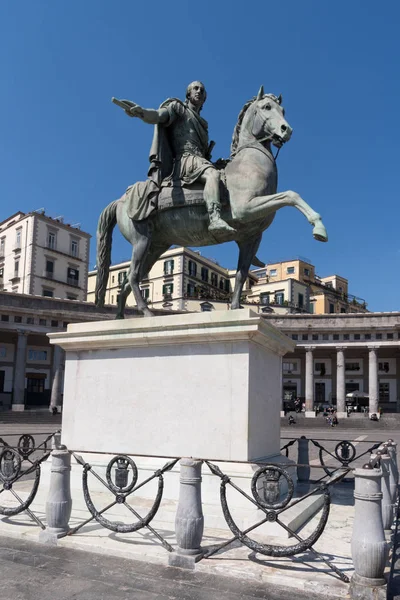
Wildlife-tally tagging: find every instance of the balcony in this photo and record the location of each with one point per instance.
(73, 282)
(17, 247)
(48, 274)
(15, 278)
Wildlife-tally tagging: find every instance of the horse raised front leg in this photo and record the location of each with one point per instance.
(263, 205)
(247, 252)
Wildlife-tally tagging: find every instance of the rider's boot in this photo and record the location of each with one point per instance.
(217, 224)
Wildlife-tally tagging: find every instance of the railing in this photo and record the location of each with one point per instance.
(48, 274)
(73, 282)
(271, 494)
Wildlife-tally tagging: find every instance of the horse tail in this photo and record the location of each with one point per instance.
(107, 222)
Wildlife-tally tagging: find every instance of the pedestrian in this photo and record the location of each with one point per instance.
(291, 420)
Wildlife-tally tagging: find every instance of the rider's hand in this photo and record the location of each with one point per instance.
(135, 111)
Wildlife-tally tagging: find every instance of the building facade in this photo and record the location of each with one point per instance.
(340, 354)
(43, 257)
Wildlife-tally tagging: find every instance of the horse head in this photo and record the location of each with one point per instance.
(262, 119)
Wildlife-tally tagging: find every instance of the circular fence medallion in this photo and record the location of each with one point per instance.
(26, 445)
(121, 472)
(271, 475)
(345, 451)
(10, 465)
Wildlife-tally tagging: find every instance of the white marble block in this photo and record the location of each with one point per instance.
(202, 385)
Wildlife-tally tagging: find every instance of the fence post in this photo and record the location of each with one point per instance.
(303, 458)
(368, 544)
(391, 447)
(387, 503)
(189, 521)
(59, 501)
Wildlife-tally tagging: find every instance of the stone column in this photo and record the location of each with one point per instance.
(373, 382)
(340, 384)
(310, 382)
(368, 544)
(18, 399)
(56, 388)
(189, 521)
(59, 501)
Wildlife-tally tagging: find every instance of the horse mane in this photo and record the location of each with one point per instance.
(236, 131)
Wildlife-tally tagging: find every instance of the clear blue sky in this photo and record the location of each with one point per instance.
(65, 147)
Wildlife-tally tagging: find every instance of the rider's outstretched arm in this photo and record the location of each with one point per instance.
(149, 115)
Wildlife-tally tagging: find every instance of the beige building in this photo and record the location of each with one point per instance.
(294, 284)
(181, 279)
(43, 256)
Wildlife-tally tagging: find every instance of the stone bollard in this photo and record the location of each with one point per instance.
(303, 458)
(189, 521)
(387, 504)
(368, 544)
(59, 501)
(394, 472)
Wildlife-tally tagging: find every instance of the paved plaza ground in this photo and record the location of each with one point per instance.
(31, 571)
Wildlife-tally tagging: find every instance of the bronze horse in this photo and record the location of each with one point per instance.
(251, 182)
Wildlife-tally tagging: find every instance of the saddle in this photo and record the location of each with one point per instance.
(181, 195)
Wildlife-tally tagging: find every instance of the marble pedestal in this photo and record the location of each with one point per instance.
(205, 385)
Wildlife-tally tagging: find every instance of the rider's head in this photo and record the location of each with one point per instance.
(196, 94)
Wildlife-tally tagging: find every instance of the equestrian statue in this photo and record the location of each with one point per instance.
(188, 200)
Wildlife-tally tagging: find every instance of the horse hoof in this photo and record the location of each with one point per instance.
(319, 233)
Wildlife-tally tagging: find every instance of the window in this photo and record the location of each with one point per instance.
(54, 323)
(49, 269)
(279, 297)
(335, 336)
(51, 240)
(378, 336)
(168, 289)
(312, 308)
(214, 279)
(342, 310)
(325, 337)
(74, 248)
(304, 336)
(3, 352)
(112, 299)
(168, 267)
(264, 298)
(227, 285)
(389, 336)
(2, 247)
(221, 283)
(145, 293)
(331, 307)
(191, 290)
(320, 368)
(35, 383)
(121, 277)
(307, 272)
(17, 319)
(73, 276)
(290, 270)
(206, 307)
(18, 239)
(37, 355)
(43, 322)
(352, 366)
(112, 279)
(71, 297)
(384, 390)
(5, 318)
(289, 367)
(315, 336)
(1, 272)
(48, 293)
(357, 336)
(367, 336)
(192, 268)
(383, 366)
(295, 336)
(16, 268)
(30, 320)
(272, 273)
(329, 284)
(204, 274)
(65, 324)
(301, 300)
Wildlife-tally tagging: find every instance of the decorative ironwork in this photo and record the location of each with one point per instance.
(287, 446)
(12, 460)
(273, 511)
(345, 453)
(121, 489)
